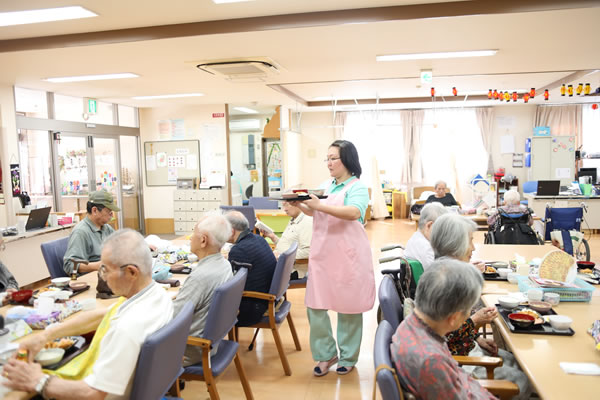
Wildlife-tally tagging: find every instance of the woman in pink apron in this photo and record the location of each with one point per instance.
(340, 267)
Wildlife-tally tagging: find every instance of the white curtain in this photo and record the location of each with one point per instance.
(562, 120)
(339, 122)
(406, 166)
(378, 206)
(485, 120)
(417, 173)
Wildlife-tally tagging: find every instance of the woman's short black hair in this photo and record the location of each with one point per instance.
(349, 156)
(91, 205)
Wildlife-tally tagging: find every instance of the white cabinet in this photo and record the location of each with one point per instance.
(190, 205)
(553, 158)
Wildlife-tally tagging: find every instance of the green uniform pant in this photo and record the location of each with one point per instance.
(349, 336)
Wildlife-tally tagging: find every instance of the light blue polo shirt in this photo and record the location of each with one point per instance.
(357, 195)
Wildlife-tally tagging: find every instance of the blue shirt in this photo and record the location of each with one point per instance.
(357, 195)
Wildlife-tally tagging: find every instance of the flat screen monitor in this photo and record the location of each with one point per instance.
(589, 172)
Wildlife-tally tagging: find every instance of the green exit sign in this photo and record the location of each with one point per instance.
(92, 106)
(426, 76)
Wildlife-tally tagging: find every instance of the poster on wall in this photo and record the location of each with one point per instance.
(15, 177)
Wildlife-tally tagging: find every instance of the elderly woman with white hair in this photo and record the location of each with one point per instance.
(440, 196)
(452, 237)
(512, 205)
(418, 246)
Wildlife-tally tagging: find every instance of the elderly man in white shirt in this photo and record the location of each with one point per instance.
(298, 230)
(418, 246)
(121, 329)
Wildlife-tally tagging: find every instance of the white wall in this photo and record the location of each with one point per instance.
(317, 135)
(291, 143)
(158, 200)
(9, 151)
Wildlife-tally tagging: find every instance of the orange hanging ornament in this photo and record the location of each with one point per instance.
(454, 91)
(506, 96)
(515, 96)
(490, 94)
(570, 90)
(526, 97)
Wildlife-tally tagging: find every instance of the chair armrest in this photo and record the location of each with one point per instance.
(502, 389)
(259, 295)
(301, 260)
(196, 341)
(489, 363)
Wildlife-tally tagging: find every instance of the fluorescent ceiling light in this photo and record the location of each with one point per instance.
(229, 1)
(44, 15)
(426, 56)
(168, 96)
(246, 110)
(81, 78)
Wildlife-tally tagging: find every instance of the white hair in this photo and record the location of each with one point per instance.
(512, 197)
(439, 183)
(127, 246)
(431, 212)
(237, 220)
(450, 235)
(216, 227)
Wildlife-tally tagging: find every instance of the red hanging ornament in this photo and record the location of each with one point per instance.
(490, 94)
(432, 92)
(594, 106)
(454, 91)
(501, 96)
(570, 90)
(515, 96)
(526, 97)
(546, 94)
(495, 94)
(532, 93)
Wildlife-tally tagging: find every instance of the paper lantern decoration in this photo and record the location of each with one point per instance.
(546, 94)
(594, 106)
(532, 93)
(432, 92)
(515, 96)
(570, 90)
(495, 94)
(454, 91)
(526, 97)
(587, 89)
(563, 89)
(490, 94)
(506, 96)
(579, 89)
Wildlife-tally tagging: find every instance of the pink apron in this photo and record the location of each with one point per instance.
(340, 267)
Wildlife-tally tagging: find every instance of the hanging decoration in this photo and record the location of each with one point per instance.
(15, 177)
(587, 89)
(432, 92)
(546, 94)
(570, 90)
(594, 106)
(563, 89)
(495, 94)
(507, 96)
(579, 89)
(454, 91)
(490, 94)
(526, 97)
(515, 96)
(532, 93)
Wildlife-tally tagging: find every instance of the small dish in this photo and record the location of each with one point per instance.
(560, 322)
(585, 265)
(512, 277)
(540, 306)
(503, 272)
(552, 298)
(508, 302)
(75, 285)
(49, 356)
(316, 192)
(61, 282)
(521, 320)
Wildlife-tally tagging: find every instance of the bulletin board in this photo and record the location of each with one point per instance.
(167, 161)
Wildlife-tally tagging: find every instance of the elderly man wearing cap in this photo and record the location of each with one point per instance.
(85, 242)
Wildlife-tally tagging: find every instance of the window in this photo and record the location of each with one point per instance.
(452, 149)
(590, 136)
(34, 155)
(128, 116)
(69, 108)
(31, 103)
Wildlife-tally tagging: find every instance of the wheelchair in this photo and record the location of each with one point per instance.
(512, 229)
(565, 220)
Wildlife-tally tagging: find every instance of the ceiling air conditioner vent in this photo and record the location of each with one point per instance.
(241, 70)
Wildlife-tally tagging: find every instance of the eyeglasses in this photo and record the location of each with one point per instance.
(102, 270)
(332, 159)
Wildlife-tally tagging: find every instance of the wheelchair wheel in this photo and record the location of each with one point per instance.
(583, 251)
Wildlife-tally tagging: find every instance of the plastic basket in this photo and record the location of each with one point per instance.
(582, 293)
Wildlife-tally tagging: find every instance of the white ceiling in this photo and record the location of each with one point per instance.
(335, 61)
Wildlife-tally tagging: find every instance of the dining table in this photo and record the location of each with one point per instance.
(540, 355)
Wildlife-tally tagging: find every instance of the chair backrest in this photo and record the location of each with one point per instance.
(159, 363)
(248, 212)
(263, 203)
(530, 186)
(385, 378)
(223, 310)
(283, 269)
(53, 253)
(568, 218)
(389, 301)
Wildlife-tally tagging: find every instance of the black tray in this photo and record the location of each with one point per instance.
(541, 329)
(184, 271)
(73, 292)
(297, 198)
(494, 277)
(78, 347)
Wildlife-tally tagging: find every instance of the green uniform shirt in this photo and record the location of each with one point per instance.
(357, 195)
(85, 243)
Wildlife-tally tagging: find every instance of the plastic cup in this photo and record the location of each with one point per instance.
(535, 294)
(45, 305)
(21, 227)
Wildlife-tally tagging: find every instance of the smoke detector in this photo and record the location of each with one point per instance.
(249, 70)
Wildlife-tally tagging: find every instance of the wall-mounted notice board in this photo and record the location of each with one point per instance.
(167, 161)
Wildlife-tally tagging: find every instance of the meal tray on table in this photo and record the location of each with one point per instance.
(583, 291)
(67, 289)
(494, 277)
(538, 329)
(297, 198)
(78, 347)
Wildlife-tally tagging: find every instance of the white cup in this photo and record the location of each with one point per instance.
(21, 227)
(523, 269)
(53, 221)
(535, 294)
(45, 305)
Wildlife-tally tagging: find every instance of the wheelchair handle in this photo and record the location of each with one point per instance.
(392, 247)
(389, 259)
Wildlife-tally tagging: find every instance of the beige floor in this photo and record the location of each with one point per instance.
(263, 366)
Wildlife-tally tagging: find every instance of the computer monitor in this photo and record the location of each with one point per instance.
(589, 172)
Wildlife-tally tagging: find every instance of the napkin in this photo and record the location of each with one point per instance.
(580, 368)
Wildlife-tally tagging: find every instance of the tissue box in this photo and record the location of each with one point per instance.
(65, 220)
(541, 131)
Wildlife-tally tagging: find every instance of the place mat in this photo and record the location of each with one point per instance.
(78, 347)
(540, 329)
(297, 198)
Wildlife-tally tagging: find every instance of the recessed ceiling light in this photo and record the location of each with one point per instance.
(229, 1)
(44, 15)
(447, 54)
(246, 110)
(168, 96)
(81, 78)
